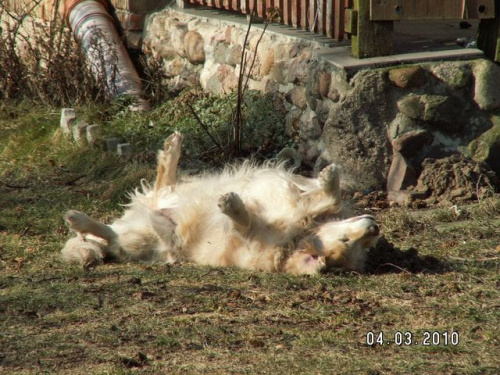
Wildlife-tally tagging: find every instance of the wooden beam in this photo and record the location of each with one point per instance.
(430, 9)
(488, 38)
(372, 38)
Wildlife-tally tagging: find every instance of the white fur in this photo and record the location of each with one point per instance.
(253, 217)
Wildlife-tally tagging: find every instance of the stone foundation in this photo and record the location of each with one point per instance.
(380, 124)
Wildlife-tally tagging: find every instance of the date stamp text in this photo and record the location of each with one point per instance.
(407, 338)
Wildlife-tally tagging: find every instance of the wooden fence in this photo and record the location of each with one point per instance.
(324, 17)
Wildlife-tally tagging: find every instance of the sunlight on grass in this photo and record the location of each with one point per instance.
(184, 319)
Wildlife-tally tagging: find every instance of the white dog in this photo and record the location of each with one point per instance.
(257, 218)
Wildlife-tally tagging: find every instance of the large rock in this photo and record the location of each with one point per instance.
(193, 46)
(324, 83)
(486, 148)
(354, 134)
(407, 78)
(401, 124)
(178, 31)
(297, 96)
(456, 75)
(486, 87)
(443, 111)
(309, 126)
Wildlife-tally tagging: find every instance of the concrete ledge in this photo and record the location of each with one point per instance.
(339, 53)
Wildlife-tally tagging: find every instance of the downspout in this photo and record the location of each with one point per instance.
(91, 22)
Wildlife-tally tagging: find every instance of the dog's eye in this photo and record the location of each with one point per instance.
(344, 239)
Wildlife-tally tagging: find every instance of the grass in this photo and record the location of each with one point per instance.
(427, 276)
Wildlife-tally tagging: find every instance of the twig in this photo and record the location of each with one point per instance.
(205, 128)
(11, 186)
(266, 24)
(237, 118)
(393, 265)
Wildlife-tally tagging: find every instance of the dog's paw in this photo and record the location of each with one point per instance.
(230, 204)
(173, 143)
(77, 221)
(329, 178)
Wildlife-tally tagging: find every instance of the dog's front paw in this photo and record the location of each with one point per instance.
(329, 178)
(230, 204)
(173, 143)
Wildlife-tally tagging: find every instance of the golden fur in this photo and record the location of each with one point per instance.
(253, 217)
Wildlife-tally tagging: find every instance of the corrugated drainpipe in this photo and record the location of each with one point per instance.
(94, 28)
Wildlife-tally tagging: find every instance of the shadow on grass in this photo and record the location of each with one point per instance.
(386, 258)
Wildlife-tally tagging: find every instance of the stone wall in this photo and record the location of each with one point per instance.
(379, 124)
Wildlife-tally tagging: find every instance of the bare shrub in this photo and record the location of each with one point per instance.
(42, 62)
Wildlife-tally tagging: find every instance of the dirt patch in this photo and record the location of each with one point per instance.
(456, 179)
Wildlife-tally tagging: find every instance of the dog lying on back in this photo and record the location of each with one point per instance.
(257, 218)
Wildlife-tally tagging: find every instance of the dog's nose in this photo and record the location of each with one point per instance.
(374, 230)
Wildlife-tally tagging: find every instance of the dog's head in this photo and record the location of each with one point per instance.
(345, 244)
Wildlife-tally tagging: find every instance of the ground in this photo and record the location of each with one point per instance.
(434, 276)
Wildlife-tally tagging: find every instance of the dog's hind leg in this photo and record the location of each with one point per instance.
(83, 224)
(89, 252)
(168, 159)
(232, 206)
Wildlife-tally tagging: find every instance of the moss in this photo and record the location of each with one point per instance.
(486, 148)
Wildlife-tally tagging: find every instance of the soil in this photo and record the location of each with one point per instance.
(456, 179)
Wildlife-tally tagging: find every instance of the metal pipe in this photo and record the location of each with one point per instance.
(94, 28)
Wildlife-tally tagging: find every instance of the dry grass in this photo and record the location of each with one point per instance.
(132, 319)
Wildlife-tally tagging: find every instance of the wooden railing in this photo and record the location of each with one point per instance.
(324, 17)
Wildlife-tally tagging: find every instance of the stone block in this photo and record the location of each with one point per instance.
(324, 83)
(410, 143)
(124, 149)
(407, 78)
(193, 45)
(233, 56)
(443, 111)
(93, 134)
(80, 131)
(297, 96)
(401, 174)
(486, 148)
(111, 144)
(453, 74)
(68, 118)
(309, 126)
(486, 88)
(178, 31)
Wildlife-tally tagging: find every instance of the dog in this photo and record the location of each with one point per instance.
(262, 218)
